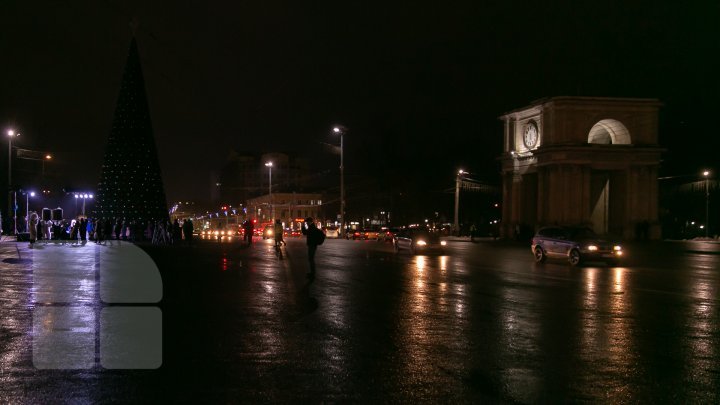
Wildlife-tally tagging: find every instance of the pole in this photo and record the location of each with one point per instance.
(83, 198)
(270, 192)
(27, 212)
(707, 207)
(342, 188)
(456, 224)
(10, 172)
(15, 210)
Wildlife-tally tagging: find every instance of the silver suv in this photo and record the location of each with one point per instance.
(574, 243)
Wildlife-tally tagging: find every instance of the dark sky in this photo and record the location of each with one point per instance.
(419, 84)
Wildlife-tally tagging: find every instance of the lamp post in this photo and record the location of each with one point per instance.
(706, 173)
(269, 166)
(12, 201)
(458, 182)
(28, 194)
(83, 197)
(341, 132)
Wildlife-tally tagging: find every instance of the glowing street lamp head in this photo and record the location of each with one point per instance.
(706, 173)
(48, 156)
(268, 164)
(336, 130)
(10, 132)
(32, 194)
(461, 171)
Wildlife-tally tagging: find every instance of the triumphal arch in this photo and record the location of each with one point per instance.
(582, 160)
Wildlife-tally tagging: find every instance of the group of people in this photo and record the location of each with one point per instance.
(102, 230)
(314, 237)
(162, 232)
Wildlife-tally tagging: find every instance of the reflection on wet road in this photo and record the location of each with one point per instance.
(482, 323)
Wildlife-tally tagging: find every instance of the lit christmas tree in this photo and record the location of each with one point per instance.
(130, 183)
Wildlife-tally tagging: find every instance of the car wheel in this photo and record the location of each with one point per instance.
(574, 257)
(540, 255)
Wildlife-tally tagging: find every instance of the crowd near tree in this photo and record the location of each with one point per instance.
(106, 230)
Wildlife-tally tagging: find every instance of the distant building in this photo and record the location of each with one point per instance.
(291, 208)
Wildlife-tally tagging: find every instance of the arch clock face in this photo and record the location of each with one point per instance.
(530, 137)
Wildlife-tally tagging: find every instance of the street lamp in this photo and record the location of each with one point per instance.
(706, 173)
(28, 194)
(458, 182)
(341, 131)
(12, 134)
(83, 197)
(269, 166)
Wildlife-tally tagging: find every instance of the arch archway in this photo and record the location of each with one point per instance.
(609, 131)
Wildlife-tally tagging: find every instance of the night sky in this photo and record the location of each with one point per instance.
(419, 85)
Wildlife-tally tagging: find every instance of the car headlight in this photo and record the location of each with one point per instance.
(617, 248)
(592, 248)
(421, 243)
(443, 243)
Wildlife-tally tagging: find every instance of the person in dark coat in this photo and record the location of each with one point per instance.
(33, 221)
(314, 237)
(187, 228)
(249, 229)
(83, 230)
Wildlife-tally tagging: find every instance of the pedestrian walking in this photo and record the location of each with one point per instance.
(83, 230)
(249, 228)
(314, 238)
(33, 221)
(278, 231)
(187, 228)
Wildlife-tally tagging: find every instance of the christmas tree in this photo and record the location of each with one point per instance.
(130, 183)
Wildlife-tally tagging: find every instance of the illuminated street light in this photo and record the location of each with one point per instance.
(341, 131)
(269, 166)
(83, 197)
(458, 182)
(12, 201)
(706, 173)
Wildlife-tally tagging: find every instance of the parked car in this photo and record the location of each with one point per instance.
(574, 243)
(418, 240)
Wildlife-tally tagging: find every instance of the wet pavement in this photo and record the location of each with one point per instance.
(481, 323)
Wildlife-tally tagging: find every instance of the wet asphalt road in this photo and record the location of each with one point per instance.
(482, 324)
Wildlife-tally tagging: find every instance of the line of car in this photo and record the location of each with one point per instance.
(576, 244)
